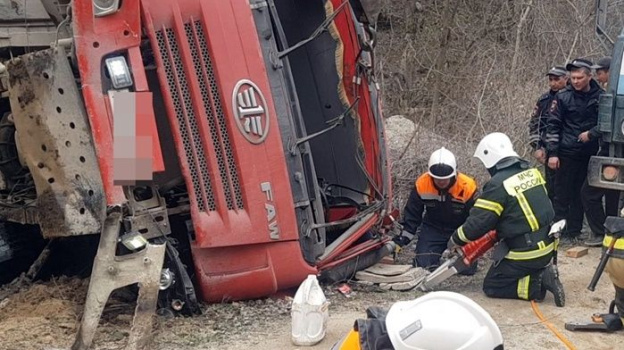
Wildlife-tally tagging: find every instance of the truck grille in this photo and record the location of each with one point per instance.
(214, 111)
(187, 117)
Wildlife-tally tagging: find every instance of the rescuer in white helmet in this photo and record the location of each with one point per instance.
(516, 204)
(438, 204)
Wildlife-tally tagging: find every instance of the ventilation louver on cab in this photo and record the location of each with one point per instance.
(186, 115)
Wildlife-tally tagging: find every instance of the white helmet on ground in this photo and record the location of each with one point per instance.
(442, 321)
(442, 164)
(494, 147)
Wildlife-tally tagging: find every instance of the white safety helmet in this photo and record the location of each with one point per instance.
(442, 164)
(442, 321)
(494, 147)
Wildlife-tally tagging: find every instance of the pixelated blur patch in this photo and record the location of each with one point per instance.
(132, 143)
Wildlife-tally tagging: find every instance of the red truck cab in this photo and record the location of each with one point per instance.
(248, 135)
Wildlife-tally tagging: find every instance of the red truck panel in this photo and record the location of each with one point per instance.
(224, 124)
(239, 190)
(249, 272)
(350, 49)
(95, 38)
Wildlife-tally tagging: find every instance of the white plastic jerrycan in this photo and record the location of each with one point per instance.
(309, 313)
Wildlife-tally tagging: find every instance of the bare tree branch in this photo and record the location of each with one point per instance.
(521, 23)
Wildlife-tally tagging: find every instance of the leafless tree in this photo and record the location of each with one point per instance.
(464, 68)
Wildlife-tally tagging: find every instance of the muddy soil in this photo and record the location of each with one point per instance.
(46, 315)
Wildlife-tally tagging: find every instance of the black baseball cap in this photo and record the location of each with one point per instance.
(579, 63)
(603, 63)
(557, 71)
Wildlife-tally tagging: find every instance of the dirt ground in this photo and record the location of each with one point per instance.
(45, 316)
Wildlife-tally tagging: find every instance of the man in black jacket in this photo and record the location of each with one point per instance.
(515, 204)
(572, 138)
(557, 80)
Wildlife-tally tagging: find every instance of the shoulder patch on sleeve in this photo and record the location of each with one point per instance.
(553, 106)
(535, 111)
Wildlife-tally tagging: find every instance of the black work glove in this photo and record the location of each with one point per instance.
(402, 240)
(451, 245)
(451, 249)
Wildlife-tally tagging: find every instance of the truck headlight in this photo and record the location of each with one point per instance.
(610, 173)
(133, 241)
(119, 72)
(622, 128)
(105, 7)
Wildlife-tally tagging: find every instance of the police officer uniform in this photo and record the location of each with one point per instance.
(515, 203)
(572, 112)
(538, 123)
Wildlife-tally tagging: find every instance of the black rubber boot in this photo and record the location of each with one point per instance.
(619, 301)
(594, 240)
(551, 283)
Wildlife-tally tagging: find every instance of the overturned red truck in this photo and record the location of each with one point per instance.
(245, 137)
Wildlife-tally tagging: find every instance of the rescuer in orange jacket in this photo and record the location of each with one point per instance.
(445, 197)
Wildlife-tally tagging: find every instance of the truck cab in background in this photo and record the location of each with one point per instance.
(607, 171)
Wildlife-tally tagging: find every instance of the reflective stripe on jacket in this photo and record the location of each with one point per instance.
(618, 248)
(350, 342)
(515, 204)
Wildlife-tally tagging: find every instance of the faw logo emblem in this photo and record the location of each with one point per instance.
(250, 111)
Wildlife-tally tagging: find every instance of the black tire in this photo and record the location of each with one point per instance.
(20, 245)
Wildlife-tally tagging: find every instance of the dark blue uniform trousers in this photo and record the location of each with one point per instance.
(432, 242)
